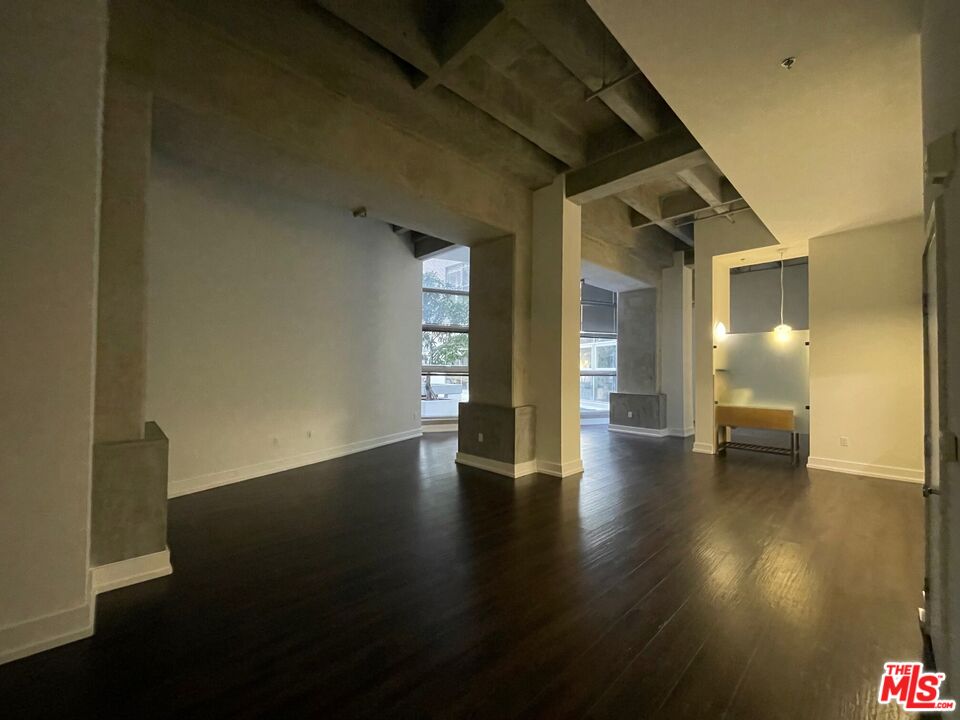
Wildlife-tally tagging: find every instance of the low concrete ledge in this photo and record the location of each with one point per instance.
(642, 411)
(129, 502)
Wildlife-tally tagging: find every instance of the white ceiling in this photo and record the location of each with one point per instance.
(834, 143)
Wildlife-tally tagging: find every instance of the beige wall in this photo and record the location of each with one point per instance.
(51, 80)
(866, 350)
(280, 332)
(713, 238)
(555, 333)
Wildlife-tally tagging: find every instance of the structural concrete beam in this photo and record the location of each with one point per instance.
(647, 211)
(472, 36)
(663, 156)
(577, 38)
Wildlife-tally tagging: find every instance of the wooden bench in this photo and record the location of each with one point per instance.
(737, 416)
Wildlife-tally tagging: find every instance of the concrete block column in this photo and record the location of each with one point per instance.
(496, 428)
(555, 330)
(129, 499)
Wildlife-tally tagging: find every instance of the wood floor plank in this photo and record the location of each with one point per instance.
(393, 583)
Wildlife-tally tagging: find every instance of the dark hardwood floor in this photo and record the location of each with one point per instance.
(662, 584)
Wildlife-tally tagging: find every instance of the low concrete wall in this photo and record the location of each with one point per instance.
(129, 508)
(648, 411)
(508, 432)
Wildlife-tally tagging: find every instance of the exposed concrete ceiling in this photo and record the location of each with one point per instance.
(524, 89)
(832, 144)
(602, 277)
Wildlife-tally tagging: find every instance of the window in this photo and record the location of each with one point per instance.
(598, 349)
(444, 380)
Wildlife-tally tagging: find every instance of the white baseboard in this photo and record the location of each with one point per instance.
(437, 427)
(560, 470)
(248, 472)
(702, 447)
(888, 472)
(131, 571)
(521, 469)
(495, 466)
(594, 421)
(645, 432)
(680, 432)
(47, 632)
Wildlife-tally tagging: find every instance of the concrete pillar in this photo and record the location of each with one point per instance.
(638, 349)
(676, 346)
(121, 306)
(555, 332)
(129, 499)
(496, 428)
(638, 406)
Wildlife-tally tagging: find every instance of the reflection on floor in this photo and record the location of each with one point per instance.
(390, 583)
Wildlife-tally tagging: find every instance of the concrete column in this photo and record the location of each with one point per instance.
(121, 305)
(638, 349)
(555, 334)
(129, 499)
(496, 429)
(676, 346)
(638, 406)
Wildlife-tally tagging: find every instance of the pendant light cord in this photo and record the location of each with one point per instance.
(781, 287)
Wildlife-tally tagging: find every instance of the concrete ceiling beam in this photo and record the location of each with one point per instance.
(482, 86)
(663, 156)
(393, 24)
(473, 36)
(705, 182)
(581, 42)
(426, 246)
(647, 212)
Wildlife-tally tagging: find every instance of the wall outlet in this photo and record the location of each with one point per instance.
(479, 437)
(629, 413)
(844, 441)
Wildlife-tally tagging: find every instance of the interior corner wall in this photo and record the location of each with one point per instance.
(52, 56)
(715, 237)
(866, 351)
(280, 332)
(940, 50)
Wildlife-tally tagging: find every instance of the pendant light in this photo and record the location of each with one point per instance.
(782, 331)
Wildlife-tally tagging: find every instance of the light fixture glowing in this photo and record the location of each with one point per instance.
(719, 331)
(781, 332)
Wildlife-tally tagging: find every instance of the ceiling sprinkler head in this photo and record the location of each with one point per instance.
(788, 62)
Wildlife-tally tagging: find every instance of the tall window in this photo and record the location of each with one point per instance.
(444, 382)
(598, 349)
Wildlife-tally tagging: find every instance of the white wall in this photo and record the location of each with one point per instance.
(714, 238)
(280, 332)
(51, 64)
(755, 299)
(676, 345)
(866, 351)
